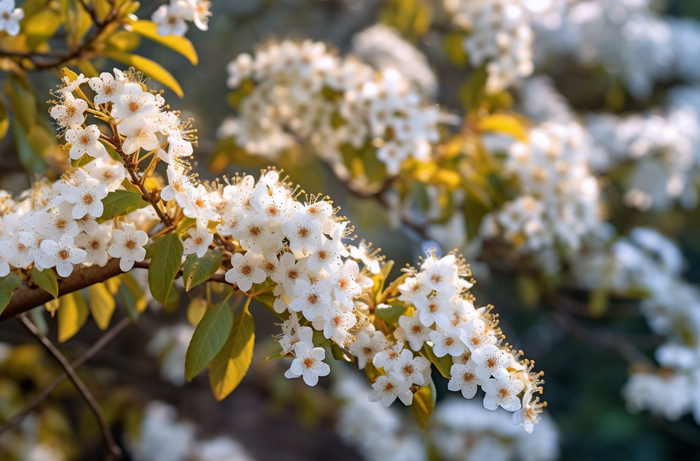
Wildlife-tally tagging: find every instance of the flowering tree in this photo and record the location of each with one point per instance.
(522, 181)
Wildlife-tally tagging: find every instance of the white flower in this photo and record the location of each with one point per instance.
(415, 332)
(245, 271)
(169, 20)
(463, 378)
(107, 171)
(199, 241)
(106, 87)
(86, 195)
(304, 233)
(85, 141)
(69, 114)
(58, 221)
(388, 357)
(61, 254)
(415, 370)
(387, 388)
(311, 299)
(128, 246)
(10, 17)
(140, 134)
(308, 364)
(367, 345)
(338, 321)
(475, 335)
(490, 360)
(502, 391)
(446, 341)
(293, 333)
(95, 245)
(133, 105)
(5, 255)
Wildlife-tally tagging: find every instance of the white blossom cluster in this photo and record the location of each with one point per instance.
(629, 39)
(463, 431)
(647, 265)
(57, 225)
(303, 91)
(172, 18)
(10, 17)
(460, 430)
(500, 36)
(383, 48)
(377, 432)
(163, 438)
(663, 149)
(440, 315)
(559, 200)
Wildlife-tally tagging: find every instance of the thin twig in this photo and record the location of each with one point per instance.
(39, 398)
(116, 452)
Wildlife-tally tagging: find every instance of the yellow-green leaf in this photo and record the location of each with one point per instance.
(182, 45)
(22, 100)
(4, 120)
(8, 285)
(208, 338)
(504, 124)
(101, 304)
(199, 270)
(423, 404)
(150, 68)
(72, 315)
(196, 310)
(120, 202)
(46, 279)
(443, 364)
(231, 364)
(164, 267)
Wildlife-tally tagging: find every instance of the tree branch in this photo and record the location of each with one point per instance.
(26, 411)
(114, 449)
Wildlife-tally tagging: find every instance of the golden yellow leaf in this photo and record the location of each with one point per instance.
(149, 68)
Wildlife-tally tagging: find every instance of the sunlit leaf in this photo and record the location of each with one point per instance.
(443, 364)
(102, 304)
(72, 315)
(208, 338)
(231, 364)
(198, 270)
(121, 202)
(182, 45)
(164, 267)
(46, 279)
(148, 67)
(8, 285)
(503, 124)
(424, 404)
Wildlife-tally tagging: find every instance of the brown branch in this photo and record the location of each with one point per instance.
(28, 297)
(115, 451)
(61, 58)
(36, 401)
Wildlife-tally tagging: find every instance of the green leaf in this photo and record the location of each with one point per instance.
(72, 315)
(443, 364)
(8, 285)
(30, 160)
(390, 314)
(4, 120)
(423, 404)
(182, 45)
(278, 354)
(150, 68)
(101, 304)
(121, 202)
(199, 270)
(208, 338)
(164, 267)
(133, 288)
(231, 364)
(46, 279)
